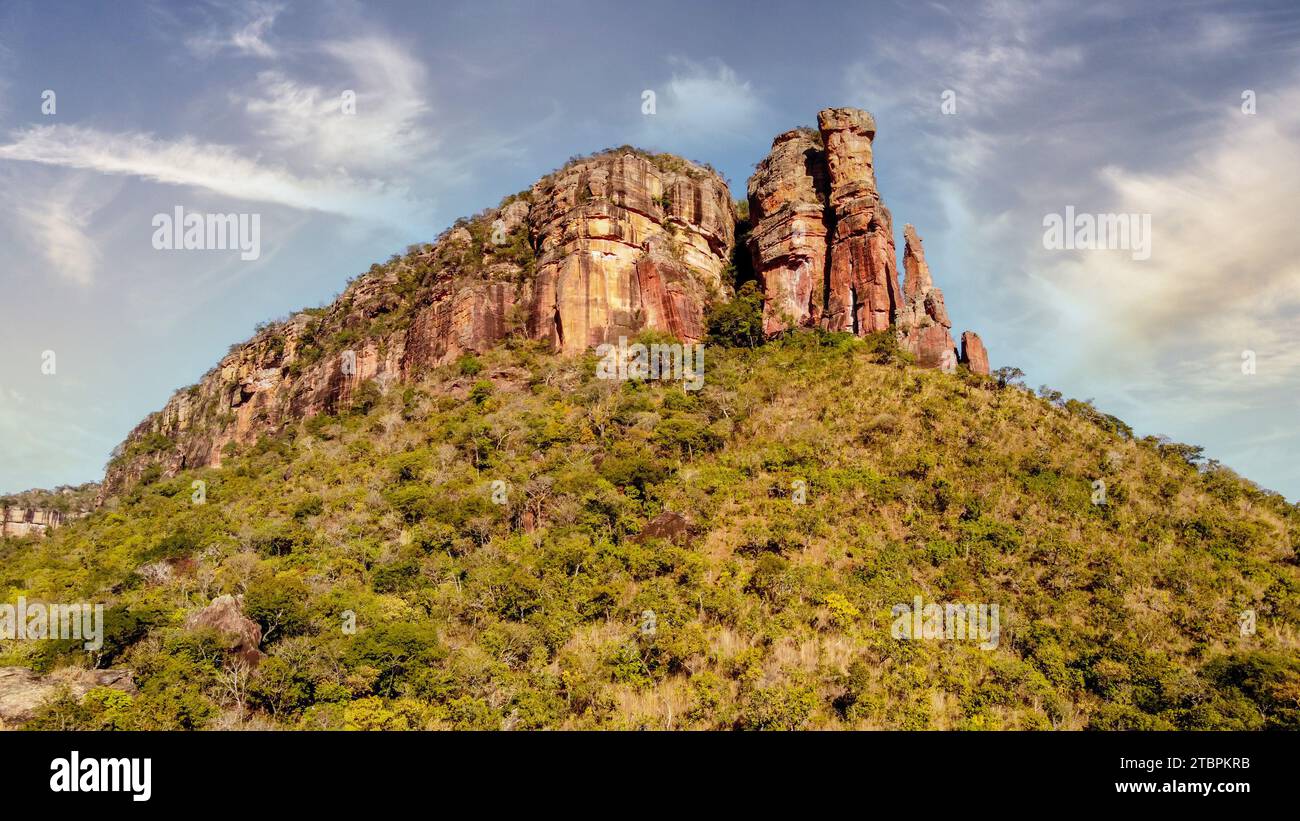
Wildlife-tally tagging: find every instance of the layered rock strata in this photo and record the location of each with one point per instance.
(608, 246)
(923, 325)
(822, 244)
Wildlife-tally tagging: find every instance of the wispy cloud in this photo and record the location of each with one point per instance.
(57, 220)
(703, 101)
(386, 126)
(1224, 273)
(219, 168)
(247, 35)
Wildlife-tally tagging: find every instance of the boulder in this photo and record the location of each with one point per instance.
(226, 615)
(669, 526)
(973, 353)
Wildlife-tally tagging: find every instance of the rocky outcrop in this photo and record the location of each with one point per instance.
(923, 325)
(34, 512)
(606, 247)
(226, 615)
(19, 522)
(822, 242)
(609, 245)
(973, 354)
(669, 526)
(863, 283)
(823, 248)
(626, 245)
(22, 691)
(787, 206)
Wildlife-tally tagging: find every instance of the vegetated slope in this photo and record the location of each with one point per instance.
(766, 613)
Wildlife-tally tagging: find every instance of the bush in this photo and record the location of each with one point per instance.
(738, 323)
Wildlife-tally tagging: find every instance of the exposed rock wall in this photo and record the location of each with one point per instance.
(787, 206)
(863, 283)
(823, 244)
(626, 246)
(973, 354)
(923, 325)
(606, 247)
(19, 521)
(34, 512)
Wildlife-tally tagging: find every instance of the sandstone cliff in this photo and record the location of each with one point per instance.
(823, 244)
(609, 245)
(34, 512)
(923, 325)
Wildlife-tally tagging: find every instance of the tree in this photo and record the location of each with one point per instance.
(1009, 376)
(738, 323)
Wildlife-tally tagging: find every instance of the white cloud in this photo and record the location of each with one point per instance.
(218, 168)
(57, 222)
(247, 36)
(991, 58)
(1224, 272)
(387, 128)
(704, 100)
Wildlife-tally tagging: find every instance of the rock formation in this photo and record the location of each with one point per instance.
(973, 354)
(923, 324)
(823, 247)
(822, 241)
(226, 615)
(23, 691)
(34, 512)
(609, 245)
(19, 522)
(624, 246)
(787, 206)
(863, 283)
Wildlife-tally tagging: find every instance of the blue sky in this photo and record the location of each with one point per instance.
(235, 107)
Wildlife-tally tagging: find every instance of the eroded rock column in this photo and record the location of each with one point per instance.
(863, 291)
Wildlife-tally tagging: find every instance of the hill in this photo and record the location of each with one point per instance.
(431, 503)
(555, 609)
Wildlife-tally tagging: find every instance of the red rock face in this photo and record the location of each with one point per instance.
(611, 227)
(606, 247)
(822, 242)
(615, 244)
(922, 320)
(863, 289)
(787, 206)
(973, 354)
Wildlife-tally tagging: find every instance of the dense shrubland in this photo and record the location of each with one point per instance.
(767, 615)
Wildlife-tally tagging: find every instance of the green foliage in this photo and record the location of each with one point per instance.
(739, 322)
(529, 610)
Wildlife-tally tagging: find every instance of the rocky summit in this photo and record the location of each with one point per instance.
(611, 245)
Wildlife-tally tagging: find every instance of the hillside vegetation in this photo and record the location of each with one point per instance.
(555, 609)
